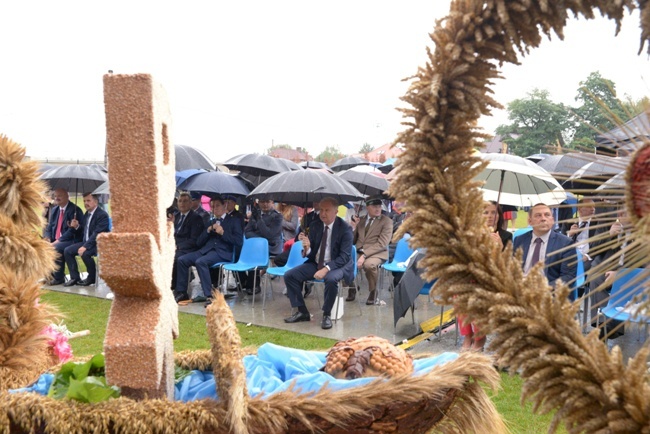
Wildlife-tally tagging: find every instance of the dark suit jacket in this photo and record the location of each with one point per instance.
(201, 212)
(187, 236)
(340, 250)
(564, 270)
(98, 224)
(67, 233)
(223, 244)
(267, 226)
(239, 216)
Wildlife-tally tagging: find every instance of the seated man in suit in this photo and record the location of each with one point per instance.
(59, 232)
(187, 227)
(263, 222)
(542, 244)
(328, 249)
(197, 208)
(372, 234)
(216, 243)
(94, 222)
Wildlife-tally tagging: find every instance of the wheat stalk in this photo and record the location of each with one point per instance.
(535, 333)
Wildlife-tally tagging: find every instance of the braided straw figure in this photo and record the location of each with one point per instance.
(369, 356)
(24, 258)
(229, 372)
(535, 334)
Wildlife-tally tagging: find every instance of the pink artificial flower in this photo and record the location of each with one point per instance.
(58, 343)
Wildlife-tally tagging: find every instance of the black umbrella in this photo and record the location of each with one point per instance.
(408, 288)
(592, 175)
(257, 168)
(188, 157)
(209, 183)
(348, 163)
(367, 182)
(74, 178)
(304, 187)
(314, 165)
(563, 166)
(613, 188)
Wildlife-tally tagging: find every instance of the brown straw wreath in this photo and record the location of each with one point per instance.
(535, 333)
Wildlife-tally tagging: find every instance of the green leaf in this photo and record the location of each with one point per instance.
(85, 382)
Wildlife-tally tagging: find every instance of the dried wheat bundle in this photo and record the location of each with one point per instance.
(24, 258)
(23, 347)
(535, 332)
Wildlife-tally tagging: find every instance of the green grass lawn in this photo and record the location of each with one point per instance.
(89, 313)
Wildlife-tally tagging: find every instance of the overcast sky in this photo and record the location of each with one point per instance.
(244, 75)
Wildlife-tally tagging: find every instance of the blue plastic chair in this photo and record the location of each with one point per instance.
(295, 258)
(336, 304)
(629, 284)
(220, 265)
(521, 231)
(254, 256)
(402, 252)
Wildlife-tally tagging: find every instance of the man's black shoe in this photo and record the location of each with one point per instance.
(181, 297)
(298, 317)
(208, 302)
(71, 282)
(86, 282)
(326, 323)
(250, 291)
(55, 282)
(307, 291)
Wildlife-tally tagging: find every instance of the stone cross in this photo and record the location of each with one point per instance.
(137, 256)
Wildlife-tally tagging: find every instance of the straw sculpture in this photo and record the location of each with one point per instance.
(534, 330)
(24, 258)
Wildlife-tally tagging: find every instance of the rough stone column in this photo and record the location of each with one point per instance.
(137, 255)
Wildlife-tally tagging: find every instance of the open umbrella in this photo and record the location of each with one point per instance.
(304, 187)
(367, 180)
(211, 183)
(188, 157)
(563, 166)
(74, 178)
(348, 163)
(515, 181)
(592, 175)
(184, 174)
(314, 165)
(257, 168)
(103, 189)
(536, 158)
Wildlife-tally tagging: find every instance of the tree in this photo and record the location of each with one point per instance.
(633, 107)
(599, 108)
(330, 155)
(367, 147)
(537, 122)
(274, 147)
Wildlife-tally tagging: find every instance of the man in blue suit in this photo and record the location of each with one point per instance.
(217, 243)
(59, 233)
(94, 222)
(328, 249)
(187, 227)
(542, 244)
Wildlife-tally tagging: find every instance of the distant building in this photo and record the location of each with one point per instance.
(496, 145)
(382, 153)
(296, 155)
